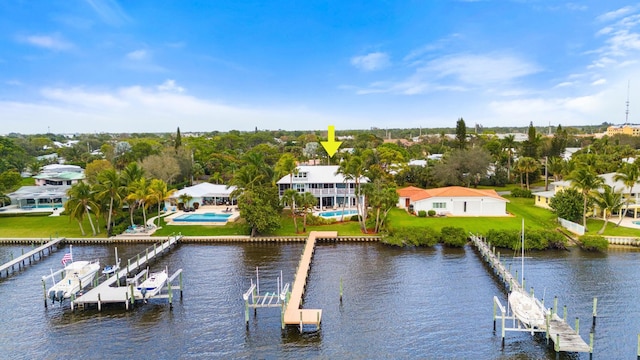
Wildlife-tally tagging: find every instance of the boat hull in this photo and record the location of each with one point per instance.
(526, 309)
(151, 286)
(78, 275)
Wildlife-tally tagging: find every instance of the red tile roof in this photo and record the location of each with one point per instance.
(416, 194)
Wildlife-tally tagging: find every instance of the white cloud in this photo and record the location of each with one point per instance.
(171, 86)
(481, 69)
(109, 11)
(612, 15)
(371, 62)
(599, 82)
(138, 108)
(138, 55)
(51, 42)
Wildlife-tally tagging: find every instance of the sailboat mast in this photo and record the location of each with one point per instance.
(522, 251)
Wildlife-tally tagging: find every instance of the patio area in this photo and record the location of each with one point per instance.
(205, 215)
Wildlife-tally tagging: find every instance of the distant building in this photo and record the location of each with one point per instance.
(57, 174)
(206, 194)
(626, 129)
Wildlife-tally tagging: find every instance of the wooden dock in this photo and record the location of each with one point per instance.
(564, 337)
(30, 256)
(293, 314)
(106, 293)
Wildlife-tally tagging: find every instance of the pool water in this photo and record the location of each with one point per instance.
(205, 217)
(328, 214)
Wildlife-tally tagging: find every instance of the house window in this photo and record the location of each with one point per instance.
(440, 205)
(300, 175)
(465, 207)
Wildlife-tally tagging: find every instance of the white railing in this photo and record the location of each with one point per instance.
(571, 226)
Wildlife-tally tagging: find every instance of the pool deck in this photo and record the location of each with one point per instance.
(235, 214)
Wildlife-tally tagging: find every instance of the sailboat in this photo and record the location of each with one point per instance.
(525, 307)
(77, 276)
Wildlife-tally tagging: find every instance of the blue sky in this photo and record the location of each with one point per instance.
(115, 66)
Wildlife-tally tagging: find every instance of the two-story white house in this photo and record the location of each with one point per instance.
(325, 183)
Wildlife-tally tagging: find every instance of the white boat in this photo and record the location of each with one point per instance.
(111, 269)
(152, 285)
(77, 276)
(526, 309)
(523, 305)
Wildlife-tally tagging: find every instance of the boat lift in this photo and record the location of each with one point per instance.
(253, 298)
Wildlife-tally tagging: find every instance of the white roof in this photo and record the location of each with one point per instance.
(321, 174)
(205, 190)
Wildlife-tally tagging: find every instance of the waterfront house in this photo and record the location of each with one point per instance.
(325, 183)
(206, 194)
(453, 201)
(58, 174)
(543, 198)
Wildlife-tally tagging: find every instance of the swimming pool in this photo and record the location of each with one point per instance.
(205, 217)
(636, 222)
(337, 213)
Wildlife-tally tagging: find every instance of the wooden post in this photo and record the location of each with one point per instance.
(564, 317)
(341, 289)
(138, 259)
(282, 309)
(595, 312)
(557, 344)
(555, 304)
(133, 298)
(146, 255)
(577, 325)
(548, 324)
(44, 289)
(170, 295)
(494, 315)
(318, 320)
(531, 291)
(181, 285)
(503, 330)
(126, 300)
(300, 321)
(99, 303)
(246, 312)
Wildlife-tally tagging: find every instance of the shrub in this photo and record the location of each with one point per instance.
(412, 237)
(431, 213)
(196, 205)
(452, 236)
(522, 193)
(534, 239)
(594, 243)
(355, 218)
(319, 220)
(422, 213)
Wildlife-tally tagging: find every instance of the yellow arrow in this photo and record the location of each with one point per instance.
(331, 145)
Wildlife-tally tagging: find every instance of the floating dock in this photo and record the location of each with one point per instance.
(106, 293)
(30, 256)
(564, 337)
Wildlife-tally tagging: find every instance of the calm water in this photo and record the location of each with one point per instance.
(400, 304)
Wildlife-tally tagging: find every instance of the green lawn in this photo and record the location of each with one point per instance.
(535, 218)
(34, 226)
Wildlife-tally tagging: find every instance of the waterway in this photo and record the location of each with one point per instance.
(431, 303)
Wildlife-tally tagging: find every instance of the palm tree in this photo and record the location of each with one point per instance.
(527, 165)
(355, 170)
(160, 193)
(629, 174)
(586, 181)
(306, 201)
(608, 201)
(184, 199)
(509, 143)
(80, 203)
(555, 165)
(140, 194)
(289, 198)
(108, 186)
(129, 175)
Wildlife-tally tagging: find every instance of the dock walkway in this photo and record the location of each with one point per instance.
(106, 293)
(564, 337)
(29, 256)
(293, 314)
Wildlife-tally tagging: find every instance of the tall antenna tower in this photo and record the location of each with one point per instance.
(626, 117)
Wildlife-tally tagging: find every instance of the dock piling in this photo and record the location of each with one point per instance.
(44, 289)
(595, 312)
(341, 290)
